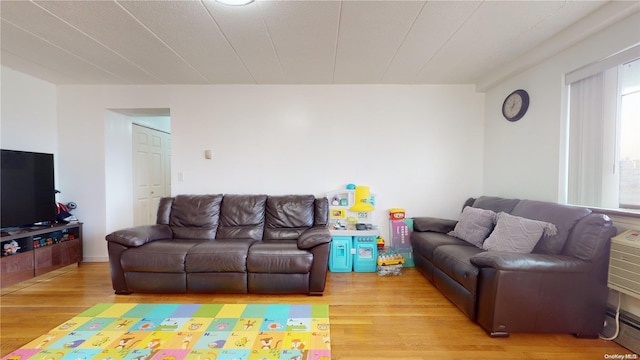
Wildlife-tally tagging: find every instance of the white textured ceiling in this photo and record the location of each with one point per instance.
(276, 42)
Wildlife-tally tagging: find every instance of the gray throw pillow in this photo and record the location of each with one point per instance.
(517, 234)
(474, 225)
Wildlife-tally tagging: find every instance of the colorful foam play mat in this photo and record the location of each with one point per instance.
(187, 331)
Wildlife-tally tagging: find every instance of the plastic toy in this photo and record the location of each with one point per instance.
(390, 259)
(380, 242)
(396, 213)
(10, 248)
(363, 200)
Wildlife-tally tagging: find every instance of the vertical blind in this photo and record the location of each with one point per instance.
(592, 176)
(585, 143)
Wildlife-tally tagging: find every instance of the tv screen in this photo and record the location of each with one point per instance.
(27, 188)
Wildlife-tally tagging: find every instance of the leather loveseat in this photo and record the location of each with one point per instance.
(560, 286)
(225, 244)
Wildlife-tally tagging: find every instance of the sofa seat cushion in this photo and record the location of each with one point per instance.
(425, 243)
(162, 256)
(283, 257)
(221, 255)
(454, 260)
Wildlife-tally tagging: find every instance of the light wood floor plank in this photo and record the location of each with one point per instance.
(372, 317)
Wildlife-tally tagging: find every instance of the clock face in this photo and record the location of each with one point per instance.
(515, 105)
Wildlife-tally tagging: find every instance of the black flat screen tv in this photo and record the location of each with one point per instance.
(27, 189)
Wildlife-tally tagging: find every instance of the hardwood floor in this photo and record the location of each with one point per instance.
(372, 317)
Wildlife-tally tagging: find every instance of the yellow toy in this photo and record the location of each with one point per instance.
(396, 213)
(390, 259)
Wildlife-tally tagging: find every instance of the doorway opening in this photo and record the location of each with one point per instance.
(137, 165)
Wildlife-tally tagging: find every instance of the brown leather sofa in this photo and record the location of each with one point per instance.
(560, 287)
(225, 244)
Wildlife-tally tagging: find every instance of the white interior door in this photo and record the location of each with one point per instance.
(151, 167)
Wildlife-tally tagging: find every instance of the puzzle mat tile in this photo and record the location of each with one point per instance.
(187, 331)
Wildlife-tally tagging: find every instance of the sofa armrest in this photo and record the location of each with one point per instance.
(422, 224)
(501, 260)
(313, 237)
(140, 235)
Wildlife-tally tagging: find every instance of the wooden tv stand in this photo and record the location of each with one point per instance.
(42, 249)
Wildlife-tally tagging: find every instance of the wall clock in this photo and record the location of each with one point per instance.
(515, 105)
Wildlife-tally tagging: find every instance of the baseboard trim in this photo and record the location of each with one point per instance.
(37, 279)
(95, 259)
(629, 333)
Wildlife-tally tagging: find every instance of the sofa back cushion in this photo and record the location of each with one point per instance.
(564, 217)
(287, 216)
(589, 240)
(242, 217)
(321, 216)
(191, 216)
(495, 204)
(164, 211)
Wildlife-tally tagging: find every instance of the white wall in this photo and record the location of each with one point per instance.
(28, 118)
(525, 159)
(119, 172)
(418, 147)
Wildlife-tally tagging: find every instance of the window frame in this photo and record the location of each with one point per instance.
(611, 159)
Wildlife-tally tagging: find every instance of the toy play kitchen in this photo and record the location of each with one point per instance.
(354, 236)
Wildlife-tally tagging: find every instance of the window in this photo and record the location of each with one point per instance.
(630, 136)
(603, 167)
